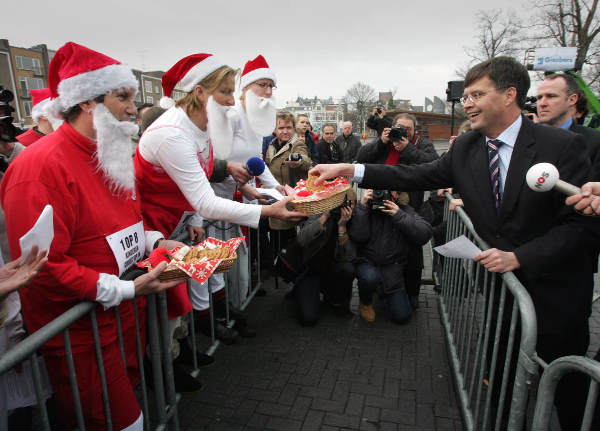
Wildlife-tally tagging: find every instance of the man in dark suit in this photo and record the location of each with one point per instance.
(533, 234)
(557, 100)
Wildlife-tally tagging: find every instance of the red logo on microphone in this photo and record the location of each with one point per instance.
(541, 180)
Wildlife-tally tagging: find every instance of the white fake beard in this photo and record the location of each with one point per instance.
(55, 121)
(219, 128)
(261, 113)
(113, 139)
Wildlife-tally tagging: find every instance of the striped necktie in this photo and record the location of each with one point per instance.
(494, 165)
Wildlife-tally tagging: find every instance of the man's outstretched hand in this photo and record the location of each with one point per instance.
(328, 171)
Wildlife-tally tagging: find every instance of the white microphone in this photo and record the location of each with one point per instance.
(543, 177)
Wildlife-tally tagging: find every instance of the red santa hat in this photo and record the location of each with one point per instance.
(77, 74)
(256, 69)
(41, 101)
(187, 72)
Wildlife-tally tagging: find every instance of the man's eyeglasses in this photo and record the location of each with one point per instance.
(473, 97)
(264, 85)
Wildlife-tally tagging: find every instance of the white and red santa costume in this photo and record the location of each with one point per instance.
(247, 143)
(40, 100)
(63, 171)
(173, 163)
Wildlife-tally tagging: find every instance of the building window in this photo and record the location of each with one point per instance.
(27, 83)
(148, 85)
(28, 63)
(149, 99)
(157, 89)
(27, 106)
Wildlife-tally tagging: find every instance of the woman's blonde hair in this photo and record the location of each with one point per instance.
(190, 103)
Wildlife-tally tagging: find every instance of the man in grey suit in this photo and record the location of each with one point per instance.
(533, 234)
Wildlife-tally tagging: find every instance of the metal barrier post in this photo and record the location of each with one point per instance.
(469, 309)
(547, 387)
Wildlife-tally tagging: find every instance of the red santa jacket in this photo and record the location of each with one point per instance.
(63, 172)
(29, 137)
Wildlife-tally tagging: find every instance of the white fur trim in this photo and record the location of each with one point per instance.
(199, 72)
(255, 75)
(40, 110)
(166, 102)
(88, 85)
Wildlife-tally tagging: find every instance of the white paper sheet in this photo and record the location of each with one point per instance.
(42, 233)
(461, 247)
(274, 193)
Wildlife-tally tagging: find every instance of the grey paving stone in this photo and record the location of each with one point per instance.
(355, 403)
(333, 406)
(338, 420)
(313, 420)
(281, 424)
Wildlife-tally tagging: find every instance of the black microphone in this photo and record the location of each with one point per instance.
(255, 166)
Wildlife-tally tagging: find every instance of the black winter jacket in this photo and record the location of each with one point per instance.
(385, 240)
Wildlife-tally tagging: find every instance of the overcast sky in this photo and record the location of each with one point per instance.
(316, 48)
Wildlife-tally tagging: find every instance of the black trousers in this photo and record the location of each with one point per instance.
(336, 285)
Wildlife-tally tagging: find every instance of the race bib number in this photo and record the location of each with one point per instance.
(128, 245)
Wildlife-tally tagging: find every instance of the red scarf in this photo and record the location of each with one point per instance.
(394, 155)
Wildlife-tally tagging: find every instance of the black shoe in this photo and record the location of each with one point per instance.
(340, 310)
(224, 334)
(184, 381)
(244, 330)
(186, 356)
(414, 302)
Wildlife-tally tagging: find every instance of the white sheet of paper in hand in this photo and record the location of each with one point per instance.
(42, 233)
(274, 193)
(461, 247)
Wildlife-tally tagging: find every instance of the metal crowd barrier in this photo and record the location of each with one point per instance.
(162, 413)
(491, 330)
(553, 372)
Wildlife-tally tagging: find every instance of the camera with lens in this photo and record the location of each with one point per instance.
(379, 111)
(294, 157)
(379, 198)
(397, 133)
(8, 131)
(336, 212)
(530, 105)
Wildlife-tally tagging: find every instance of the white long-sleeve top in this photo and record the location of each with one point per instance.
(173, 143)
(246, 144)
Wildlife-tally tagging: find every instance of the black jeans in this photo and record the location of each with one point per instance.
(336, 285)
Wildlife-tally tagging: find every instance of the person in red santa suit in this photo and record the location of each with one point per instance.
(175, 160)
(85, 171)
(43, 116)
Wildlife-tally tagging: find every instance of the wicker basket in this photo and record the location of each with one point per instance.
(177, 274)
(319, 205)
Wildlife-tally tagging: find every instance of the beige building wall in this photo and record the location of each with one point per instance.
(30, 73)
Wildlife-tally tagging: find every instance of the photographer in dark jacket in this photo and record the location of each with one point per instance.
(384, 235)
(379, 120)
(329, 269)
(412, 150)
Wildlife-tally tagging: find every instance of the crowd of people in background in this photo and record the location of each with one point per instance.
(187, 178)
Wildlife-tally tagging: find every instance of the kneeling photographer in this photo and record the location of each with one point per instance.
(384, 229)
(327, 256)
(402, 145)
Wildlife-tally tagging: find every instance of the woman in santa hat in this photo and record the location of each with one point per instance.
(175, 160)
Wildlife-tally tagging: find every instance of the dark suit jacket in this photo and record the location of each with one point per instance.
(592, 140)
(548, 238)
(348, 147)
